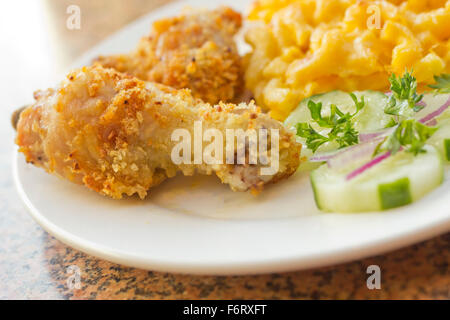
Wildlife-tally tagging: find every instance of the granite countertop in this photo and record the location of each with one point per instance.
(34, 265)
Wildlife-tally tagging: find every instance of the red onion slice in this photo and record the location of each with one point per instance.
(369, 136)
(421, 103)
(356, 152)
(431, 123)
(323, 156)
(327, 156)
(368, 165)
(364, 138)
(436, 112)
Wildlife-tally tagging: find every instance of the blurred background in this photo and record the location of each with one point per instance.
(36, 44)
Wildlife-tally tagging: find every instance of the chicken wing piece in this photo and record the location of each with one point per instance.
(195, 50)
(113, 133)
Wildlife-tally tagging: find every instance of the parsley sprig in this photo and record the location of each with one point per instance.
(404, 98)
(410, 134)
(442, 84)
(340, 124)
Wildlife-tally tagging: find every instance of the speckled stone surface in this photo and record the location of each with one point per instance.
(34, 265)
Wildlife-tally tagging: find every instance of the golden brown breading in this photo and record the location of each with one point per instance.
(195, 50)
(112, 133)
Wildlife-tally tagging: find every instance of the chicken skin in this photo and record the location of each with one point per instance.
(195, 50)
(113, 133)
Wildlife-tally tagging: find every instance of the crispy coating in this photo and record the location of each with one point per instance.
(195, 50)
(112, 133)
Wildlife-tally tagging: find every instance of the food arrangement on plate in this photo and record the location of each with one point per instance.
(356, 91)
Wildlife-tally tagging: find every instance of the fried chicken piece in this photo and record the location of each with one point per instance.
(195, 50)
(112, 133)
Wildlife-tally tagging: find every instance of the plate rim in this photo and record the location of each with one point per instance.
(293, 263)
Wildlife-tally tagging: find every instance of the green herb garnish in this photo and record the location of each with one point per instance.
(391, 123)
(404, 97)
(339, 123)
(442, 84)
(409, 134)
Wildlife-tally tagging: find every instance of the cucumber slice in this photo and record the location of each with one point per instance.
(433, 102)
(441, 140)
(398, 180)
(395, 194)
(447, 149)
(445, 116)
(370, 118)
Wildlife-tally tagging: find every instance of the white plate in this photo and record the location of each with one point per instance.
(197, 225)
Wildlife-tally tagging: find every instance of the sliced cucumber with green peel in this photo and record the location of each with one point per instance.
(444, 116)
(395, 194)
(447, 149)
(441, 140)
(433, 102)
(398, 180)
(370, 118)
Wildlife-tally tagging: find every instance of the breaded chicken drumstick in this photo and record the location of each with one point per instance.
(195, 50)
(112, 133)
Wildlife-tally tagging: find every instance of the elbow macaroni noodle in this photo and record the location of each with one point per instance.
(305, 47)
